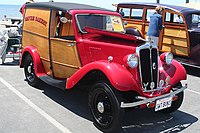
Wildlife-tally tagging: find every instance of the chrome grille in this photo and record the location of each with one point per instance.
(148, 66)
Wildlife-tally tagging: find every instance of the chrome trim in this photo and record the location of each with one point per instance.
(148, 100)
(158, 88)
(149, 46)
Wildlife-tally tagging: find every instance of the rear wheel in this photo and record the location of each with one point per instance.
(29, 71)
(104, 104)
(175, 104)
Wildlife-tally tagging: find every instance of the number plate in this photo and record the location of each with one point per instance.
(163, 103)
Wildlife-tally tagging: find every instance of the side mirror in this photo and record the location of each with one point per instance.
(63, 20)
(125, 23)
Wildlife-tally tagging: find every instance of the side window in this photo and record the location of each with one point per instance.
(137, 14)
(125, 12)
(178, 19)
(173, 18)
(149, 13)
(167, 17)
(61, 25)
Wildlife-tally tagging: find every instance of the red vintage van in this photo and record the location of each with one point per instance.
(68, 45)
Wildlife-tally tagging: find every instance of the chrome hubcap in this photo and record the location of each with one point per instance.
(100, 107)
(29, 69)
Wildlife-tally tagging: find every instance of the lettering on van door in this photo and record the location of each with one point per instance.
(37, 19)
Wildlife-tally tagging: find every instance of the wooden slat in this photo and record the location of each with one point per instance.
(64, 57)
(182, 42)
(38, 42)
(174, 49)
(175, 32)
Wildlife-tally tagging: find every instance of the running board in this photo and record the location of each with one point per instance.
(61, 84)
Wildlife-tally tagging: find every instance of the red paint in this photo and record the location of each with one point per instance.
(39, 69)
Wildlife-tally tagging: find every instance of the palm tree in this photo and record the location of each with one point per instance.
(187, 1)
(157, 1)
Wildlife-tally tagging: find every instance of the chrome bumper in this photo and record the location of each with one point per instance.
(148, 100)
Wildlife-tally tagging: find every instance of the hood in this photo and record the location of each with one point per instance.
(114, 34)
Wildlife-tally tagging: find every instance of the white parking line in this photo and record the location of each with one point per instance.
(36, 108)
(196, 92)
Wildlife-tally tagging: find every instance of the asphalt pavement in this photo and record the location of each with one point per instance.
(25, 109)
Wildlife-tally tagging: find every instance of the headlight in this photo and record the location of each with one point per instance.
(132, 60)
(168, 58)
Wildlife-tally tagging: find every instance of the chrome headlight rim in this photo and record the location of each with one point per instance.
(132, 60)
(169, 58)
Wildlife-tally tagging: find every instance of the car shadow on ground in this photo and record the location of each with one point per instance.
(137, 120)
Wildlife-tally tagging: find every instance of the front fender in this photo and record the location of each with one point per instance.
(38, 67)
(175, 71)
(118, 75)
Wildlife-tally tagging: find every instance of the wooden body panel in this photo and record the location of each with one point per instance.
(65, 58)
(35, 33)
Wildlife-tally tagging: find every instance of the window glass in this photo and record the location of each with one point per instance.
(178, 19)
(102, 22)
(195, 20)
(126, 12)
(149, 13)
(173, 18)
(137, 14)
(167, 17)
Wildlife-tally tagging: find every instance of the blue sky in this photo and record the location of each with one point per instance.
(100, 3)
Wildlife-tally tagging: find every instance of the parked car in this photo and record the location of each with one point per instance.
(68, 45)
(181, 28)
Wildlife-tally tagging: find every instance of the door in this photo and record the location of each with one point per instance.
(64, 55)
(174, 36)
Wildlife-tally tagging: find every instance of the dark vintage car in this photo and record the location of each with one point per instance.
(181, 28)
(71, 45)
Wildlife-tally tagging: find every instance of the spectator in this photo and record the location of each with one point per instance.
(155, 25)
(178, 19)
(121, 12)
(21, 10)
(4, 18)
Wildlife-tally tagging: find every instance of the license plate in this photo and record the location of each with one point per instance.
(163, 103)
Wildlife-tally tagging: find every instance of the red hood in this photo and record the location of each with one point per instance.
(113, 34)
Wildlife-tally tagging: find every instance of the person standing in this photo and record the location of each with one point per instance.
(21, 10)
(155, 25)
(4, 18)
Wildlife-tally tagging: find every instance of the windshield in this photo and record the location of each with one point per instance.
(195, 20)
(102, 22)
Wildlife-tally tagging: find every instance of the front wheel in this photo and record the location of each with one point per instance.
(104, 104)
(29, 71)
(175, 104)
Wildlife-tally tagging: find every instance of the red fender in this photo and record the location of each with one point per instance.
(39, 69)
(118, 75)
(175, 71)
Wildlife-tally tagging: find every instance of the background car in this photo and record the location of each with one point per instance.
(181, 28)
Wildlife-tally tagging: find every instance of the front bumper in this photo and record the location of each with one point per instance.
(149, 100)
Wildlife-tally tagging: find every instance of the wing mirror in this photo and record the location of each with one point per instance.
(125, 23)
(64, 20)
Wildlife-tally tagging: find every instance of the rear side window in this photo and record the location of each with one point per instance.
(126, 12)
(173, 18)
(136, 14)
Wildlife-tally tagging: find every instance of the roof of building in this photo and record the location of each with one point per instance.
(64, 6)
